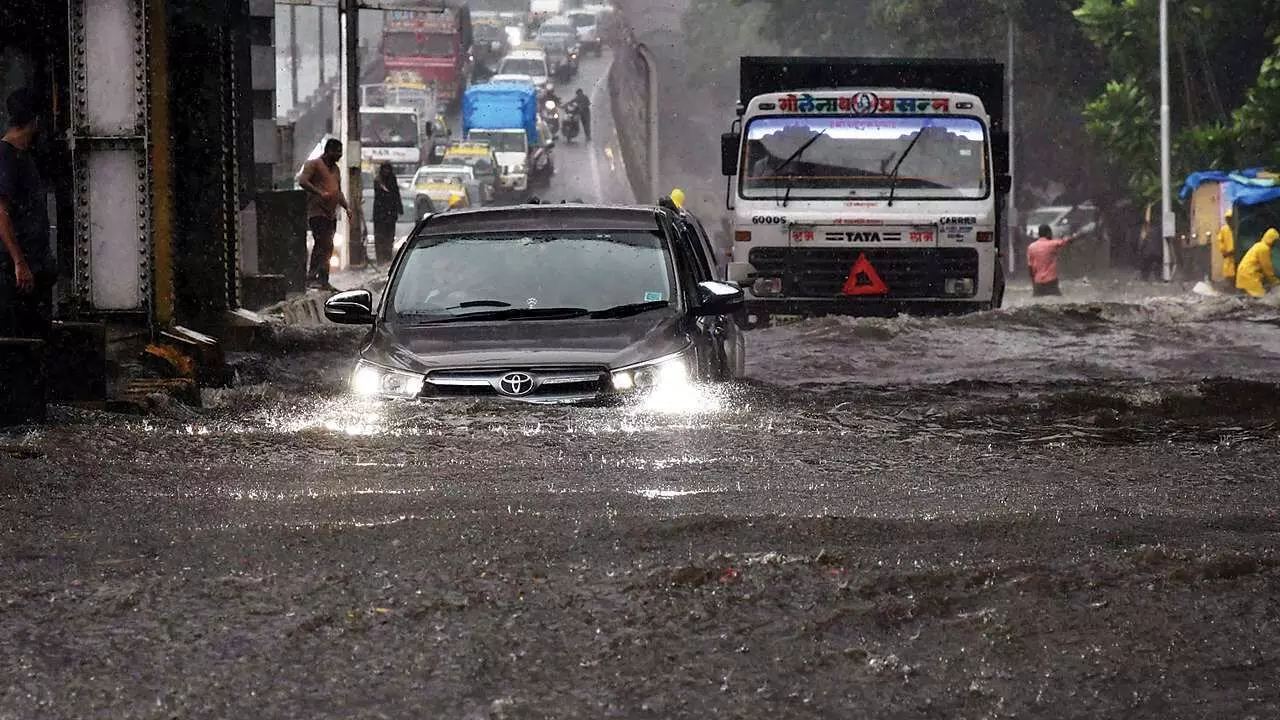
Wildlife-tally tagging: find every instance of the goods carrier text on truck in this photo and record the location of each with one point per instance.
(867, 186)
(431, 43)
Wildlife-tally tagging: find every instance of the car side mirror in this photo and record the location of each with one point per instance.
(354, 307)
(729, 143)
(718, 298)
(1004, 184)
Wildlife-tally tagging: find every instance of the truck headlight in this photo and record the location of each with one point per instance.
(371, 380)
(664, 373)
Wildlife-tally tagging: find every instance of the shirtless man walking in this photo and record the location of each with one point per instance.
(322, 180)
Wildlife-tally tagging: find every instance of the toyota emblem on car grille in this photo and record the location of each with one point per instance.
(516, 384)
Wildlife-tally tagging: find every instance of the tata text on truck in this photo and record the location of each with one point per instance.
(868, 186)
(433, 42)
(505, 117)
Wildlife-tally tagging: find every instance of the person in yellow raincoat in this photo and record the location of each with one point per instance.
(1227, 247)
(677, 197)
(1256, 273)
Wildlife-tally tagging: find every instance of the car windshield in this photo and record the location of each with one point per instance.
(439, 176)
(388, 130)
(532, 67)
(855, 157)
(480, 163)
(583, 19)
(502, 141)
(1045, 217)
(445, 277)
(412, 44)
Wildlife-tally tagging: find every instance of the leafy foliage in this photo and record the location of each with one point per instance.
(1087, 73)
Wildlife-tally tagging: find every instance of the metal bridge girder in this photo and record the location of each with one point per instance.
(109, 148)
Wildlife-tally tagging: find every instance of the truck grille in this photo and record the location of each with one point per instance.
(548, 384)
(822, 272)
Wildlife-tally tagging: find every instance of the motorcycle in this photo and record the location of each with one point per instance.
(572, 123)
(551, 113)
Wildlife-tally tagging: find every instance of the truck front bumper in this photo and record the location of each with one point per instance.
(515, 182)
(857, 307)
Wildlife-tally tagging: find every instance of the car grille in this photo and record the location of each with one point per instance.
(548, 383)
(822, 272)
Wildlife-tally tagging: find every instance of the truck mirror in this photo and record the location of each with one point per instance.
(1004, 184)
(729, 143)
(1000, 150)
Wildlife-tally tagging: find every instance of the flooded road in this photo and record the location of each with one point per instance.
(1046, 511)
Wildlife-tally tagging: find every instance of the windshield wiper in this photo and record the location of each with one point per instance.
(620, 311)
(563, 313)
(786, 198)
(893, 176)
(480, 303)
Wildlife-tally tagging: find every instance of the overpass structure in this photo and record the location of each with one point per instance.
(161, 137)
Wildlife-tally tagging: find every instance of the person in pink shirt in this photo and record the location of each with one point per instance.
(1042, 261)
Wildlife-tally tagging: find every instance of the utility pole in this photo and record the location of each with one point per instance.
(1167, 228)
(320, 38)
(293, 52)
(1011, 245)
(349, 34)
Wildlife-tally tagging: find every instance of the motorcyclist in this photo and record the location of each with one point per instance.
(581, 105)
(551, 109)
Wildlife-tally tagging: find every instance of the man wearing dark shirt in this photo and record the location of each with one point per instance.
(27, 271)
(583, 104)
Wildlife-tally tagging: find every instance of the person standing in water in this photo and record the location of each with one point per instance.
(1257, 274)
(1042, 262)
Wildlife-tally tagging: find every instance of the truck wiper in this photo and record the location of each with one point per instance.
(799, 151)
(631, 309)
(564, 313)
(893, 176)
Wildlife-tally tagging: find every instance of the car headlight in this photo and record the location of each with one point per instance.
(371, 380)
(664, 373)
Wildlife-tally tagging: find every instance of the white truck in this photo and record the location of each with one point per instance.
(396, 126)
(867, 186)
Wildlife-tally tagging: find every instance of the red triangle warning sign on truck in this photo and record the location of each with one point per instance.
(864, 280)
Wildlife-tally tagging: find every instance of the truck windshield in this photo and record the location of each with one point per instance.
(388, 130)
(413, 44)
(511, 142)
(503, 6)
(855, 157)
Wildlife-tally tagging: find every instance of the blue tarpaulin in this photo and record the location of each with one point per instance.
(501, 107)
(1244, 187)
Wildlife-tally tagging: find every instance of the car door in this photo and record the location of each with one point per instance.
(719, 336)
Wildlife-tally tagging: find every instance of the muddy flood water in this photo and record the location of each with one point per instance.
(1052, 510)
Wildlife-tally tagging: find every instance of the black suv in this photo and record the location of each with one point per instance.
(547, 303)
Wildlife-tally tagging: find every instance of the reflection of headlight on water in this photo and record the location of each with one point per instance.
(371, 380)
